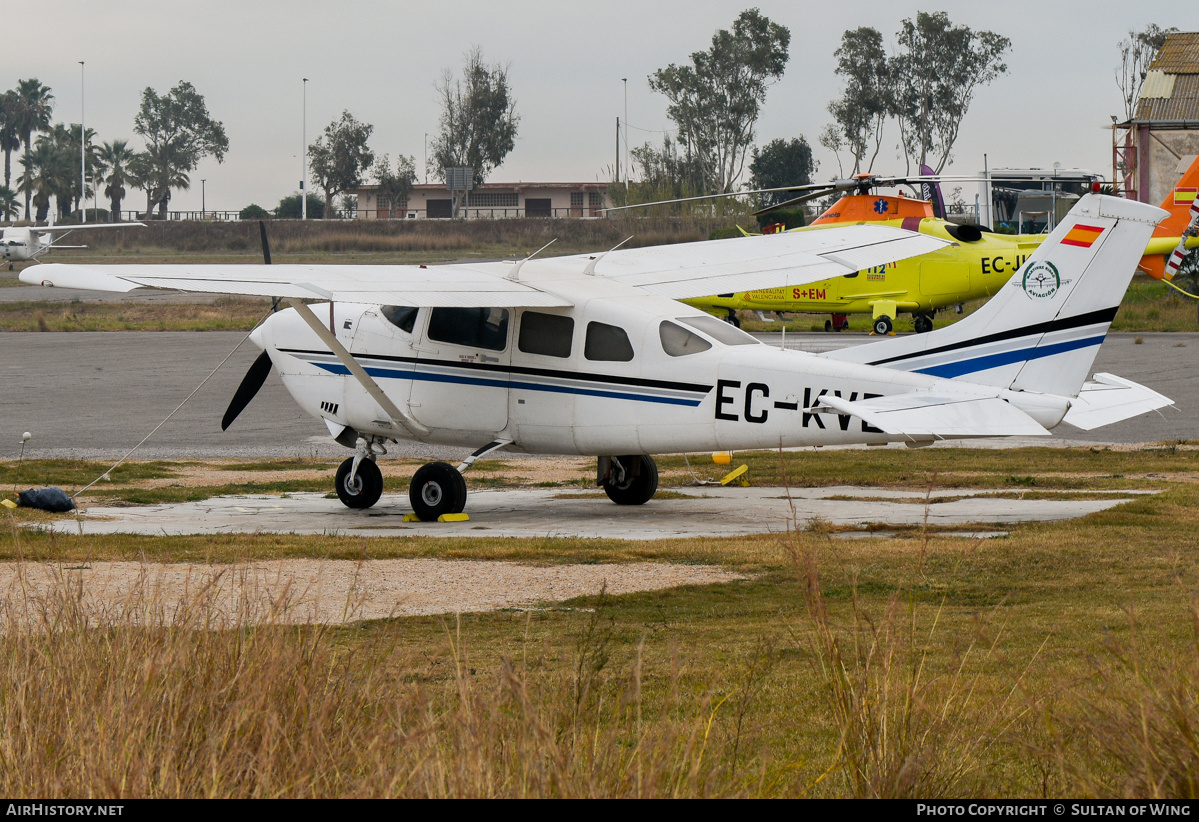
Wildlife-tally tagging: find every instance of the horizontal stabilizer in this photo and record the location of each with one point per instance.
(924, 416)
(1110, 399)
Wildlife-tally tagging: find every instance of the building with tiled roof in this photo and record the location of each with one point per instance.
(1153, 149)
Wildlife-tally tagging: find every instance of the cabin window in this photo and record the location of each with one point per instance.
(607, 343)
(719, 330)
(679, 342)
(402, 317)
(470, 327)
(546, 334)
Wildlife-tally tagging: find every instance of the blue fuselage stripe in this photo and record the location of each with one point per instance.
(957, 369)
(407, 374)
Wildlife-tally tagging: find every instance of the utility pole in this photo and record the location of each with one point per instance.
(203, 201)
(625, 80)
(82, 147)
(304, 155)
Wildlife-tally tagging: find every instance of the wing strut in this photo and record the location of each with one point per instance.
(364, 379)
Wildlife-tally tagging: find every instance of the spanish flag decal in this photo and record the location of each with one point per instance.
(1185, 196)
(1083, 236)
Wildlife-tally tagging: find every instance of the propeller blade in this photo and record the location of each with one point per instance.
(250, 384)
(266, 246)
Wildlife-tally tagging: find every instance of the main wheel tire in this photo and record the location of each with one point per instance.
(923, 323)
(366, 488)
(437, 488)
(634, 490)
(882, 325)
(828, 326)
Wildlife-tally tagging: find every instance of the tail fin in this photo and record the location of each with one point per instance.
(1180, 203)
(931, 190)
(1042, 330)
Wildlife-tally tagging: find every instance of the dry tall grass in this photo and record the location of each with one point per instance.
(142, 700)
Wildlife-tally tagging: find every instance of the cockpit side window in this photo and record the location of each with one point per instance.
(720, 331)
(607, 343)
(679, 342)
(470, 327)
(402, 317)
(546, 334)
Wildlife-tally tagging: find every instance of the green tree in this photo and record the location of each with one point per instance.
(10, 137)
(395, 186)
(9, 207)
(253, 212)
(865, 105)
(34, 105)
(716, 100)
(478, 118)
(781, 163)
(289, 207)
(340, 156)
(179, 132)
(116, 158)
(666, 174)
(936, 72)
(1136, 54)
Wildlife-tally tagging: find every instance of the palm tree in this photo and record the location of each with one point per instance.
(10, 140)
(33, 110)
(117, 158)
(9, 208)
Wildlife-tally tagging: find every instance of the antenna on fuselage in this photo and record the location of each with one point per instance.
(590, 269)
(515, 274)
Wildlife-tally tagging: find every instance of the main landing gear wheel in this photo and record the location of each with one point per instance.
(633, 481)
(923, 323)
(732, 319)
(437, 488)
(366, 488)
(882, 325)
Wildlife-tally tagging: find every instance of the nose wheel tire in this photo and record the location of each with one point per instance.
(882, 325)
(437, 488)
(366, 488)
(636, 484)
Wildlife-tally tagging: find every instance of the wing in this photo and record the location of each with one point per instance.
(675, 271)
(921, 416)
(749, 263)
(443, 285)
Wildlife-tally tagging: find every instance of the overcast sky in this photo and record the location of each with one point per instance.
(380, 60)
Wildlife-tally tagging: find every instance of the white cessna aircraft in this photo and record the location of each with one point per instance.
(591, 355)
(23, 243)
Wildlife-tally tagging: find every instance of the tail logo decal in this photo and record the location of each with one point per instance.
(1083, 236)
(1185, 196)
(1041, 280)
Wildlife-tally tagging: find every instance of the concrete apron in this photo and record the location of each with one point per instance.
(707, 512)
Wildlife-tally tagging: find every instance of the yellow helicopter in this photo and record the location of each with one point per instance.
(976, 266)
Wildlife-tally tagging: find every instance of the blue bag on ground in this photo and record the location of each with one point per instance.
(46, 499)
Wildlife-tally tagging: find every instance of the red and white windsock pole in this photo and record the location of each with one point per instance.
(1176, 257)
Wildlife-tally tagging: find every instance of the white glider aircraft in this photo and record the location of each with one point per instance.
(23, 243)
(591, 355)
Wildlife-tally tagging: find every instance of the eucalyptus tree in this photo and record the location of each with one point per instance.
(395, 185)
(478, 118)
(34, 106)
(715, 101)
(179, 132)
(340, 157)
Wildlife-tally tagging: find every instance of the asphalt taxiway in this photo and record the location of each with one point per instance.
(96, 395)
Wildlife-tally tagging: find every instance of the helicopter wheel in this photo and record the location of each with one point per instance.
(366, 487)
(632, 484)
(923, 323)
(732, 319)
(828, 325)
(882, 325)
(437, 488)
